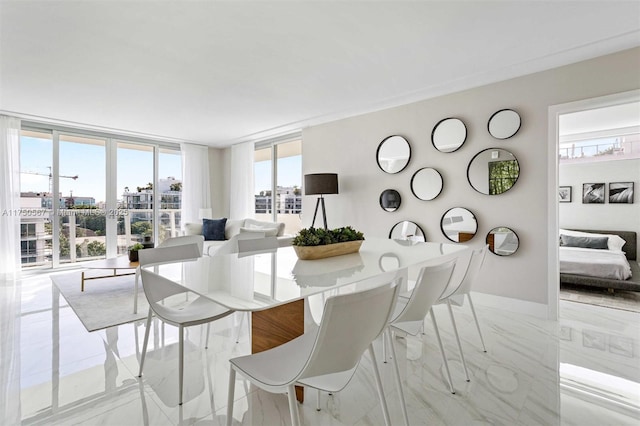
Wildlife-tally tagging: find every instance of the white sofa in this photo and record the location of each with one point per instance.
(237, 226)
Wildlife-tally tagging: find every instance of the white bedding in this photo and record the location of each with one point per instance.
(594, 263)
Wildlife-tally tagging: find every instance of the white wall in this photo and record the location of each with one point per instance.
(619, 217)
(348, 147)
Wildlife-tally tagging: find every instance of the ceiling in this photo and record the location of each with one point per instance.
(218, 73)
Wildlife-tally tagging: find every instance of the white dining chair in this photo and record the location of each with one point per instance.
(410, 313)
(326, 358)
(150, 256)
(186, 313)
(456, 296)
(246, 243)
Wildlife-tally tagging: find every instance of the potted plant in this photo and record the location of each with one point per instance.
(318, 243)
(133, 252)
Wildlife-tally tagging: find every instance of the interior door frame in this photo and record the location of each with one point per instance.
(554, 113)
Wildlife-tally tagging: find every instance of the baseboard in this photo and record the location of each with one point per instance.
(538, 310)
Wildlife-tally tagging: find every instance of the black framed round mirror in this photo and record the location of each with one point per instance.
(407, 230)
(393, 154)
(390, 200)
(449, 135)
(426, 183)
(493, 171)
(504, 124)
(503, 241)
(459, 224)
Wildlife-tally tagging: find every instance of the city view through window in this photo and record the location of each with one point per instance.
(286, 205)
(80, 222)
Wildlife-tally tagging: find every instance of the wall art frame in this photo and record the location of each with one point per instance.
(621, 193)
(564, 194)
(593, 193)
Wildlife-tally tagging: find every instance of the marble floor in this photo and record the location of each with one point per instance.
(582, 370)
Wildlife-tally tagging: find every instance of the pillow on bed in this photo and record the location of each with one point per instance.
(600, 243)
(615, 242)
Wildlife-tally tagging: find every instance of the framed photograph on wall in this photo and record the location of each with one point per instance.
(564, 194)
(593, 193)
(621, 193)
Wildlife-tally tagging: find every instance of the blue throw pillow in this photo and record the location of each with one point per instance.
(213, 229)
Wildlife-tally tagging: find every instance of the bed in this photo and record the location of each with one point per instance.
(614, 267)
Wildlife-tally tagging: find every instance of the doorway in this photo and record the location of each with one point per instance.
(579, 140)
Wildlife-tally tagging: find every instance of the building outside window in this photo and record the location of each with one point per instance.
(278, 183)
(65, 214)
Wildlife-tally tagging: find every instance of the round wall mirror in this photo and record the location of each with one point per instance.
(449, 135)
(503, 241)
(493, 171)
(407, 230)
(390, 200)
(393, 154)
(426, 184)
(504, 124)
(459, 224)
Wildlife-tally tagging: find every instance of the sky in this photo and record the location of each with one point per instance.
(289, 173)
(134, 168)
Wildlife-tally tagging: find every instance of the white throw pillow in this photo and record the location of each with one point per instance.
(192, 228)
(232, 227)
(268, 232)
(615, 242)
(279, 226)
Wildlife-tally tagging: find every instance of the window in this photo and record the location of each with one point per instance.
(278, 184)
(96, 196)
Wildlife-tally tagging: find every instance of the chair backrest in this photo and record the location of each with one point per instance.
(349, 324)
(157, 288)
(169, 254)
(246, 245)
(430, 285)
(183, 240)
(475, 265)
(245, 242)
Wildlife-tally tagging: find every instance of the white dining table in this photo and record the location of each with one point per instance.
(273, 285)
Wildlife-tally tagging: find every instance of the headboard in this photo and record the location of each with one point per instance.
(630, 237)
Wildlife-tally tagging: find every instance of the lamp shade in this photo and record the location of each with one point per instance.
(321, 183)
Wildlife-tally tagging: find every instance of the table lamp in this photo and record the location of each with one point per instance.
(320, 184)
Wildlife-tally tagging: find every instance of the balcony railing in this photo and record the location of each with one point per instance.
(90, 246)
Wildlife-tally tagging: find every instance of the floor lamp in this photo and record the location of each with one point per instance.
(320, 184)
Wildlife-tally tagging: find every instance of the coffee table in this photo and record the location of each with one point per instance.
(120, 263)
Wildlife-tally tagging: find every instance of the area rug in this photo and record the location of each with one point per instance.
(104, 303)
(619, 299)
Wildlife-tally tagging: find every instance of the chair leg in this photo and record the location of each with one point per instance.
(384, 347)
(146, 340)
(181, 364)
(135, 291)
(242, 315)
(383, 400)
(293, 405)
(206, 342)
(455, 331)
(475, 317)
(398, 380)
(444, 356)
(318, 400)
(232, 388)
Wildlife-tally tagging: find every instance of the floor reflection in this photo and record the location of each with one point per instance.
(582, 370)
